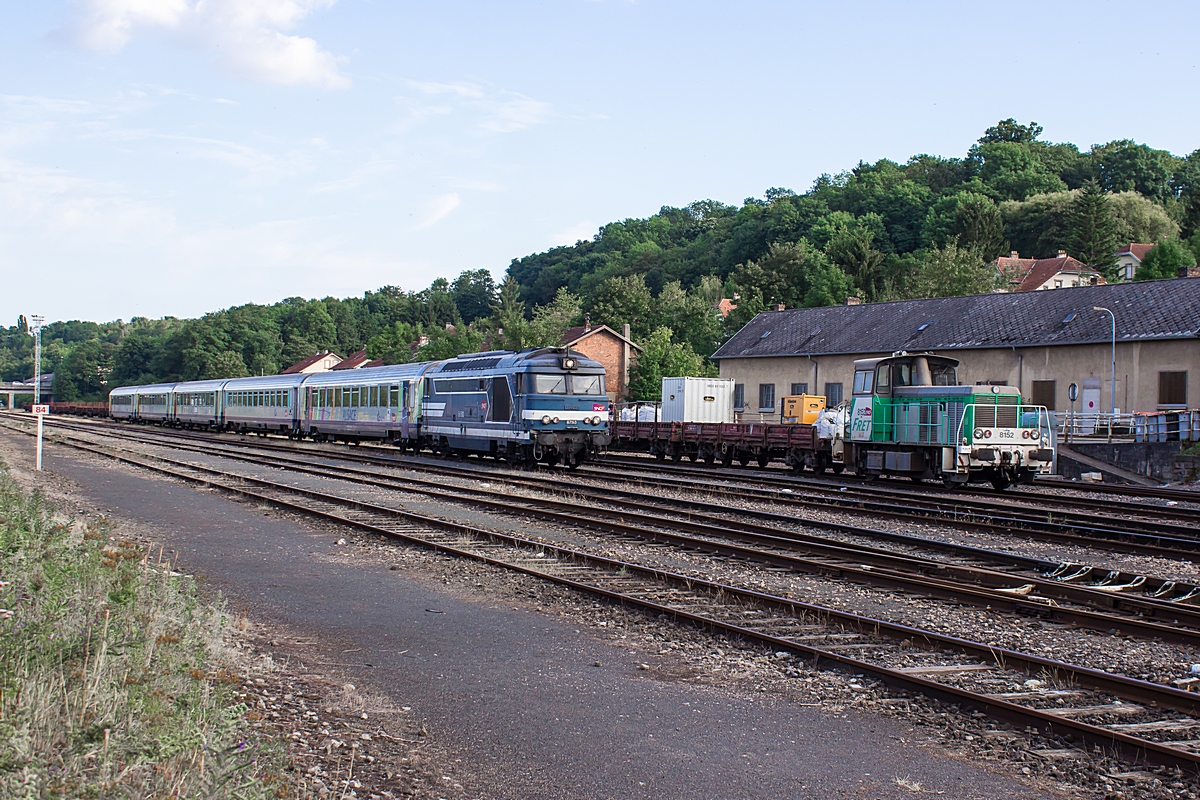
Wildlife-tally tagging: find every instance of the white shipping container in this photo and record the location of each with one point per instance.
(697, 400)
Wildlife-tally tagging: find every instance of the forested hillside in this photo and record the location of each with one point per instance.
(928, 227)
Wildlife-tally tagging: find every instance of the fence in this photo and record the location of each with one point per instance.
(1154, 426)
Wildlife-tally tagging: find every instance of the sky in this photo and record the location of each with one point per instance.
(174, 157)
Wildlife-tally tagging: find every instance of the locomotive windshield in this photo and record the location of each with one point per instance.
(548, 384)
(590, 385)
(587, 384)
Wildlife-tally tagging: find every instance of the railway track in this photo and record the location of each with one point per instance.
(1142, 720)
(1096, 598)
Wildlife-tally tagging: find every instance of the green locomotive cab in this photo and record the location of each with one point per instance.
(910, 417)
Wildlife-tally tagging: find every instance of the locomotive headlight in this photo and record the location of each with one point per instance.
(979, 433)
(546, 419)
(1035, 434)
(1025, 434)
(556, 420)
(987, 434)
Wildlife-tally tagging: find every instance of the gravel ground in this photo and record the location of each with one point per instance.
(765, 673)
(739, 694)
(1157, 661)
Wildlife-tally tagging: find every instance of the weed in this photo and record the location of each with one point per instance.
(104, 665)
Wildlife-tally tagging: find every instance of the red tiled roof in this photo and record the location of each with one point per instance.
(305, 363)
(1046, 268)
(1134, 249)
(353, 361)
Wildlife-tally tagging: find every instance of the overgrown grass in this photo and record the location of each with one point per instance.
(115, 680)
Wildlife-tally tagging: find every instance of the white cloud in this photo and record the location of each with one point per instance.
(496, 112)
(460, 89)
(247, 35)
(516, 115)
(439, 208)
(358, 177)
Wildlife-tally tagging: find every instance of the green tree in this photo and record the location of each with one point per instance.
(661, 357)
(1094, 230)
(1125, 166)
(951, 271)
(1009, 130)
(552, 319)
(621, 300)
(969, 219)
(227, 364)
(1039, 226)
(1165, 260)
(508, 315)
(473, 293)
(395, 344)
(1140, 220)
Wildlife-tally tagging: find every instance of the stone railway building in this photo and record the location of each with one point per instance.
(1039, 341)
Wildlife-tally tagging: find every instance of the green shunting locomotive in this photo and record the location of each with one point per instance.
(910, 417)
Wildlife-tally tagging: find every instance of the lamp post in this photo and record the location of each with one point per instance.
(1112, 398)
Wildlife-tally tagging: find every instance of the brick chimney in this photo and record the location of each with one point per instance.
(1062, 253)
(779, 307)
(1013, 254)
(853, 300)
(587, 322)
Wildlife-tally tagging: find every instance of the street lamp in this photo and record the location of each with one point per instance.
(1112, 399)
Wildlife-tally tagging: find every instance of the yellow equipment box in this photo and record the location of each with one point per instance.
(802, 409)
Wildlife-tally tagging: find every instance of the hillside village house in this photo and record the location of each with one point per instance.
(615, 351)
(1039, 341)
(1035, 274)
(317, 362)
(1130, 256)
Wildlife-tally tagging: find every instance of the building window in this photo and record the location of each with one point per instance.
(739, 396)
(833, 394)
(766, 397)
(1043, 394)
(1172, 389)
(799, 388)
(1058, 284)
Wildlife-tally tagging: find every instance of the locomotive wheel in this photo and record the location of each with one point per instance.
(727, 458)
(1000, 482)
(710, 457)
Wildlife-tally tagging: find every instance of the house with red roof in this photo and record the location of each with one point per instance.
(357, 360)
(317, 362)
(1130, 256)
(1035, 274)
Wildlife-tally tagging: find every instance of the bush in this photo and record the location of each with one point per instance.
(114, 679)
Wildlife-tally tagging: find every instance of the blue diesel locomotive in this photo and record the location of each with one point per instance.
(544, 405)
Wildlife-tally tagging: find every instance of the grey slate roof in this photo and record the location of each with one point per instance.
(1145, 310)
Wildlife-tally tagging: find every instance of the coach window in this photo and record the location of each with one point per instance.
(766, 397)
(393, 397)
(374, 397)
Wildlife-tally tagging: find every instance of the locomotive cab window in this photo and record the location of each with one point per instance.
(549, 384)
(864, 380)
(587, 384)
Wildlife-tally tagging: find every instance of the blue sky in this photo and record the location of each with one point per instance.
(172, 157)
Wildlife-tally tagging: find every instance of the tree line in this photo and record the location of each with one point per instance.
(930, 227)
